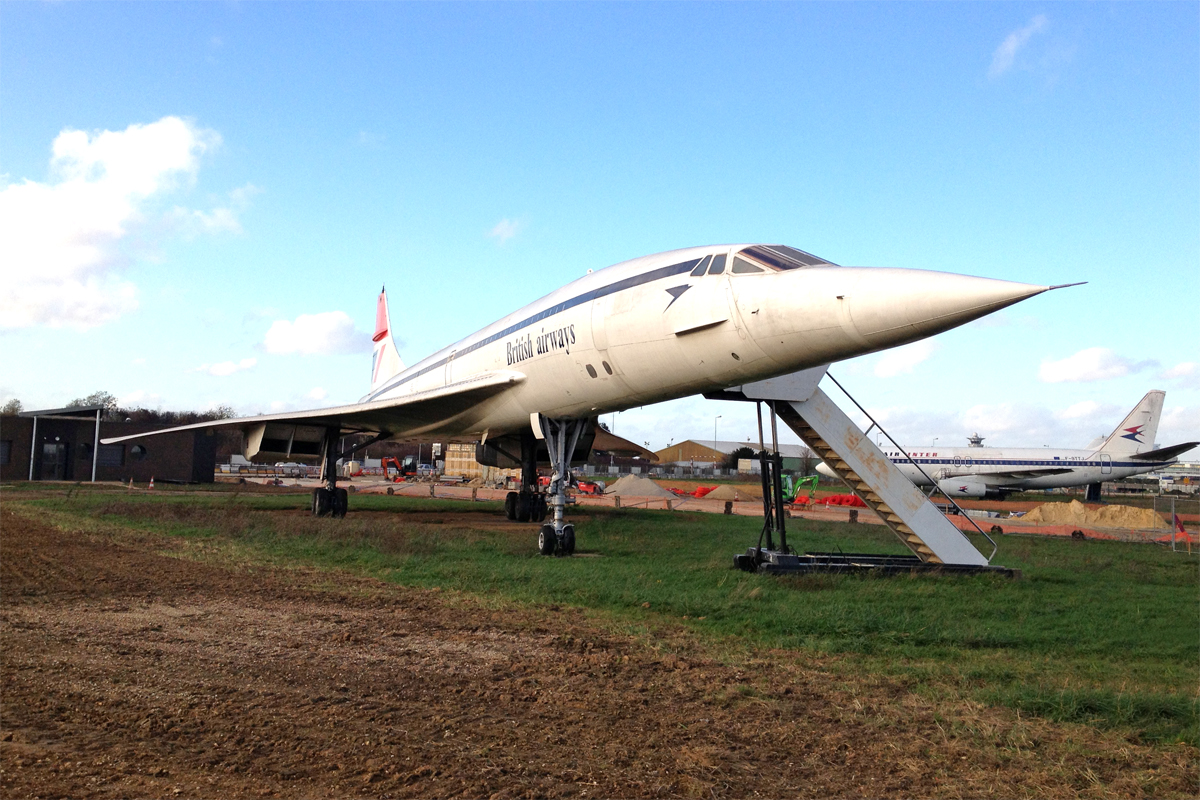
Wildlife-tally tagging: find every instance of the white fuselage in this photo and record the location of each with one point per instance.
(993, 464)
(647, 330)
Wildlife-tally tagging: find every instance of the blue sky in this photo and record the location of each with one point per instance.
(186, 184)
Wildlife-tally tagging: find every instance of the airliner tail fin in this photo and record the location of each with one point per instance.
(385, 361)
(1136, 432)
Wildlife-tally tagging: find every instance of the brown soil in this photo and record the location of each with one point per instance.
(728, 491)
(130, 670)
(1075, 513)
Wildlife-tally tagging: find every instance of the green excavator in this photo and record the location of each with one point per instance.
(792, 486)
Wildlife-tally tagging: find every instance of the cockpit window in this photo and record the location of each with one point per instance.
(699, 270)
(718, 265)
(741, 266)
(780, 256)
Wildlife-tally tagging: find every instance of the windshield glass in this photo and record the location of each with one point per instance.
(780, 256)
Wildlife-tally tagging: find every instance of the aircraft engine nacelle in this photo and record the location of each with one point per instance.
(271, 441)
(966, 487)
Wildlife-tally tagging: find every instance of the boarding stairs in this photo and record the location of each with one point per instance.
(862, 466)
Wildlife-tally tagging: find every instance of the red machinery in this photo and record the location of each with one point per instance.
(402, 472)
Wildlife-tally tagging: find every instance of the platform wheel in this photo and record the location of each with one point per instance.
(510, 506)
(567, 545)
(547, 540)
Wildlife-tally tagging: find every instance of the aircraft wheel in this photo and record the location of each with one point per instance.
(568, 540)
(321, 502)
(540, 508)
(546, 540)
(341, 502)
(524, 506)
(510, 506)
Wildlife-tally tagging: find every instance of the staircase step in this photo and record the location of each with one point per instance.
(817, 417)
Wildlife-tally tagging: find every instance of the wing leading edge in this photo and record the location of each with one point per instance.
(395, 416)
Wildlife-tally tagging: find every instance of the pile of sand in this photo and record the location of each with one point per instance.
(728, 491)
(637, 486)
(1076, 513)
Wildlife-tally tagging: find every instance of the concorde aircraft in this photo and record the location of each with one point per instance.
(996, 472)
(531, 386)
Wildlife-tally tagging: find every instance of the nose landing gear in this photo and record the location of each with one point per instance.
(561, 436)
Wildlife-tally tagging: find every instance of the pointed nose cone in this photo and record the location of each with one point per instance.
(889, 307)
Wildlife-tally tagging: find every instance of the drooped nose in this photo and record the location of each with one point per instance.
(889, 307)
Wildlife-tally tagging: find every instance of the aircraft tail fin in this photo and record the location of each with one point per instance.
(1136, 432)
(385, 361)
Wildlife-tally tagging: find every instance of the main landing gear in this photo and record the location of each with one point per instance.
(527, 505)
(329, 500)
(555, 537)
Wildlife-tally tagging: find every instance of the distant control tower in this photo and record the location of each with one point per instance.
(975, 440)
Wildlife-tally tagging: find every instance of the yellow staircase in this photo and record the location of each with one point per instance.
(856, 484)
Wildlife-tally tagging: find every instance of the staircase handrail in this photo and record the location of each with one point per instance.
(875, 424)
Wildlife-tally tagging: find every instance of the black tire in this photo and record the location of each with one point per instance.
(524, 506)
(568, 540)
(547, 540)
(540, 507)
(322, 502)
(510, 506)
(341, 503)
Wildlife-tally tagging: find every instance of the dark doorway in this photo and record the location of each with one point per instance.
(54, 461)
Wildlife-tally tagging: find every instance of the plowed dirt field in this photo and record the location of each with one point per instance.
(129, 671)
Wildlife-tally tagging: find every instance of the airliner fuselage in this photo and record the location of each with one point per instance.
(1079, 467)
(690, 321)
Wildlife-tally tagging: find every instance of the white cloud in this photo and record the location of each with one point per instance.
(904, 359)
(1091, 364)
(505, 229)
(1006, 53)
(65, 242)
(1084, 408)
(1180, 424)
(227, 367)
(1002, 418)
(1180, 370)
(317, 393)
(331, 332)
(139, 398)
(1185, 375)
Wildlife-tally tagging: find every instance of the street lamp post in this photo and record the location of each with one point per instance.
(717, 417)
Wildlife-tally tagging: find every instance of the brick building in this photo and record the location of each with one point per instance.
(63, 450)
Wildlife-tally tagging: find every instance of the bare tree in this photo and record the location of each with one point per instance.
(808, 462)
(100, 398)
(11, 408)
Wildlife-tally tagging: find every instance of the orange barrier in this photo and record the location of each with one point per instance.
(850, 500)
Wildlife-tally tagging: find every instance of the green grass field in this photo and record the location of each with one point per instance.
(1102, 633)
